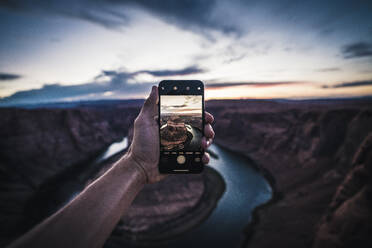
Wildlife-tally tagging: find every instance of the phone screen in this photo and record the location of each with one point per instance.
(181, 123)
(181, 127)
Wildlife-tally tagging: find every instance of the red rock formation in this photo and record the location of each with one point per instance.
(174, 134)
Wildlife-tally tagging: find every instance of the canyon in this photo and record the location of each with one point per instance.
(317, 155)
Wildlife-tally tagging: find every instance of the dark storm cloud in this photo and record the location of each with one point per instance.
(8, 76)
(188, 14)
(350, 84)
(229, 17)
(357, 50)
(107, 81)
(253, 84)
(166, 73)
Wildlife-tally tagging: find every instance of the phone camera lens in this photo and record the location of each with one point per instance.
(175, 87)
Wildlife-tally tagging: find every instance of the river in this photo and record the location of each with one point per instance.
(246, 189)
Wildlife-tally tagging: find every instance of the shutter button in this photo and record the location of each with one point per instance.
(181, 159)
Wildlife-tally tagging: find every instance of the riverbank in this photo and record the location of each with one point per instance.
(299, 201)
(276, 195)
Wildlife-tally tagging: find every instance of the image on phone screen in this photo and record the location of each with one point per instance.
(181, 122)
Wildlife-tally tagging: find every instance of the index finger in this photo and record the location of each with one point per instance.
(208, 117)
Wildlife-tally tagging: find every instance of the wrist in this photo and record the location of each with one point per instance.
(137, 166)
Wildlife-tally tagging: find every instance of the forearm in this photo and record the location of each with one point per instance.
(89, 219)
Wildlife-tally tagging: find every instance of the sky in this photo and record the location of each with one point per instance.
(181, 104)
(117, 49)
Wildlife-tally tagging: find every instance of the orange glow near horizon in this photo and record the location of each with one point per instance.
(290, 91)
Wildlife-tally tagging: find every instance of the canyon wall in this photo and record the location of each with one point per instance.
(308, 149)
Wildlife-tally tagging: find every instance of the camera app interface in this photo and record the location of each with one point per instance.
(180, 124)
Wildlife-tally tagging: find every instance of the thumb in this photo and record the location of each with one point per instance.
(149, 107)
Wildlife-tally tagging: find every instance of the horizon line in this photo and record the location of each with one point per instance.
(365, 97)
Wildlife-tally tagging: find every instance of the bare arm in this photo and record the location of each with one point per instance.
(88, 220)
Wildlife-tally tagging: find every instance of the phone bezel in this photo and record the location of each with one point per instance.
(197, 167)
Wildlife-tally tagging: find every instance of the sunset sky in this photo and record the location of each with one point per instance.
(105, 49)
(181, 104)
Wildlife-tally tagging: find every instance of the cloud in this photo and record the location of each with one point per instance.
(109, 83)
(182, 72)
(96, 11)
(8, 76)
(328, 69)
(229, 17)
(235, 58)
(118, 77)
(357, 50)
(253, 84)
(58, 92)
(349, 84)
(188, 14)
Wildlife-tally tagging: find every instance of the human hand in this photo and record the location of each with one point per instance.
(144, 150)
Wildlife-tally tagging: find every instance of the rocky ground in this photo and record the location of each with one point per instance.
(318, 156)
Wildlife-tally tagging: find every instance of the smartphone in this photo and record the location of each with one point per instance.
(181, 126)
